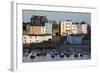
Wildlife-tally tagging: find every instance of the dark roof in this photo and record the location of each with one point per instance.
(26, 23)
(33, 24)
(39, 34)
(83, 22)
(75, 23)
(68, 20)
(37, 25)
(76, 35)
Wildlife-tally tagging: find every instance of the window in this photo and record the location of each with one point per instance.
(25, 41)
(35, 37)
(24, 37)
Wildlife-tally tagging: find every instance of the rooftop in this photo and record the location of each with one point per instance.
(38, 34)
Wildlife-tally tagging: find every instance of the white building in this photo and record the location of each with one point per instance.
(36, 38)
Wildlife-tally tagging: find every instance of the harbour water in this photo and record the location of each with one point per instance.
(48, 57)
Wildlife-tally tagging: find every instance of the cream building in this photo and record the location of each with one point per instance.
(63, 27)
(35, 29)
(36, 38)
(74, 28)
(66, 27)
(69, 27)
(84, 28)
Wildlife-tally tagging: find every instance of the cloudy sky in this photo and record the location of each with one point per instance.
(53, 15)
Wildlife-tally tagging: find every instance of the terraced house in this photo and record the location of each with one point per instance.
(37, 30)
(68, 27)
(48, 28)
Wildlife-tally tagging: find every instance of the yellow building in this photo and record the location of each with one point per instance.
(63, 27)
(35, 29)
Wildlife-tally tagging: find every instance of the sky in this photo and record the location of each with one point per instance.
(57, 15)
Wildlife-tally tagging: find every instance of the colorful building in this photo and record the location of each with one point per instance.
(48, 28)
(68, 27)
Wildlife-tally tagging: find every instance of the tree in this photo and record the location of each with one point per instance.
(55, 26)
(86, 37)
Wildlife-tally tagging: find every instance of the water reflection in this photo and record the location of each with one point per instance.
(55, 55)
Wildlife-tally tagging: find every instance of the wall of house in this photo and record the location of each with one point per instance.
(74, 39)
(35, 39)
(63, 28)
(74, 29)
(48, 28)
(69, 27)
(36, 30)
(84, 28)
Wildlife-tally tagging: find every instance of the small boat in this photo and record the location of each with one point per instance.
(81, 55)
(75, 55)
(52, 56)
(61, 55)
(67, 55)
(25, 54)
(38, 54)
(55, 53)
(44, 53)
(32, 56)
